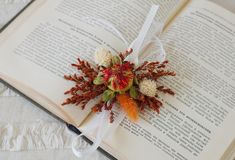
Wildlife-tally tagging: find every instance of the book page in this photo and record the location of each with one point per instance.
(41, 49)
(204, 36)
(43, 101)
(126, 16)
(197, 123)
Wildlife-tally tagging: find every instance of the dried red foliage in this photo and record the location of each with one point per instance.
(123, 55)
(166, 90)
(84, 89)
(151, 102)
(154, 71)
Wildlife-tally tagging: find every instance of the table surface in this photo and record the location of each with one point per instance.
(28, 130)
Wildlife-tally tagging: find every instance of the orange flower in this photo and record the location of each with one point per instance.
(129, 106)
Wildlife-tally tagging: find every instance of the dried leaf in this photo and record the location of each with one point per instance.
(133, 93)
(136, 81)
(108, 95)
(98, 80)
(116, 60)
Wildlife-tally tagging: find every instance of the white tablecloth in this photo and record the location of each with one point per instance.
(26, 131)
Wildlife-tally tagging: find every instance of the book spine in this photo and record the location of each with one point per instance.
(73, 128)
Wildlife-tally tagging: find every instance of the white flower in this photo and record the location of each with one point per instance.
(148, 87)
(103, 57)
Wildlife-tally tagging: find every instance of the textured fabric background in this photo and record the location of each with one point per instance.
(9, 8)
(26, 131)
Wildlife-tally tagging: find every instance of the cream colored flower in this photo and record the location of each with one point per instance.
(103, 57)
(148, 87)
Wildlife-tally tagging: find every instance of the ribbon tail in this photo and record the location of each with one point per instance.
(138, 42)
(102, 132)
(153, 51)
(108, 26)
(98, 124)
(117, 122)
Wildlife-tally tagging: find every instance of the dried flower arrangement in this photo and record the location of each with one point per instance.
(118, 81)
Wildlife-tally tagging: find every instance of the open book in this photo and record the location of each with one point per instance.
(36, 50)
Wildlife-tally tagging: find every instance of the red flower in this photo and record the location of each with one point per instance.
(119, 76)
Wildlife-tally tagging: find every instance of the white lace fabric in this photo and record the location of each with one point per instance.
(28, 131)
(9, 9)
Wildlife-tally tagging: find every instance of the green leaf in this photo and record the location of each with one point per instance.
(122, 92)
(136, 81)
(98, 80)
(116, 60)
(133, 93)
(108, 95)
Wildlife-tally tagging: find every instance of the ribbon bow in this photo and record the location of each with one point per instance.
(141, 44)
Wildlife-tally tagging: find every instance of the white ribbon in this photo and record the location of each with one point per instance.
(138, 42)
(99, 123)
